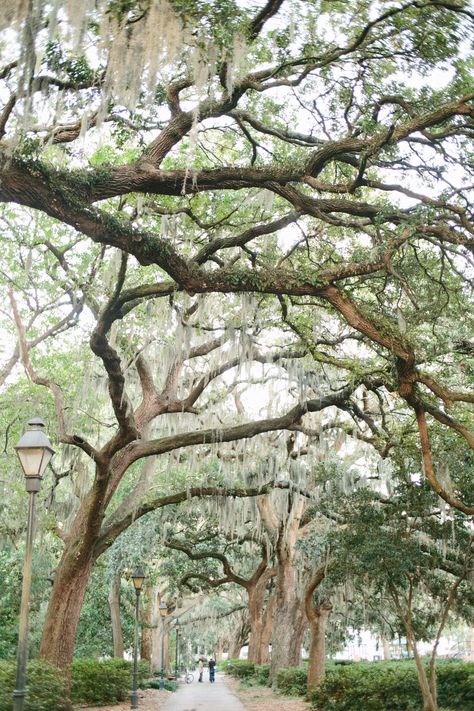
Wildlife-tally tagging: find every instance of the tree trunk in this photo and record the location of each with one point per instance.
(267, 630)
(317, 649)
(64, 608)
(386, 649)
(235, 648)
(237, 640)
(287, 637)
(219, 649)
(429, 699)
(429, 703)
(256, 652)
(71, 579)
(157, 641)
(289, 619)
(150, 621)
(114, 605)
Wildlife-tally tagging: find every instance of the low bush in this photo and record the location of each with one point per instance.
(240, 668)
(368, 686)
(168, 684)
(45, 685)
(104, 681)
(100, 682)
(250, 674)
(456, 685)
(261, 674)
(392, 687)
(93, 682)
(292, 681)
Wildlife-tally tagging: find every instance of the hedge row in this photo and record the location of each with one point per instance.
(251, 674)
(371, 686)
(292, 681)
(93, 682)
(45, 687)
(392, 687)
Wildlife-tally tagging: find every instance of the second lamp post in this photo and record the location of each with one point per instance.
(138, 576)
(176, 626)
(163, 612)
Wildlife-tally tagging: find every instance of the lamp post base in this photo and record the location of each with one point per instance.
(19, 699)
(133, 700)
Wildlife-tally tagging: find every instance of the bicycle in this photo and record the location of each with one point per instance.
(187, 676)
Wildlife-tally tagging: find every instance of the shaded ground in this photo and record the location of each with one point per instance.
(262, 698)
(254, 699)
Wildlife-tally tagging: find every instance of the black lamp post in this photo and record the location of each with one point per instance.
(163, 612)
(34, 452)
(138, 577)
(176, 626)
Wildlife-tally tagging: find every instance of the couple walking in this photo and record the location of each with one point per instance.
(212, 668)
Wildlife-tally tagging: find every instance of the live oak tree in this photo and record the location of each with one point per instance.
(244, 562)
(316, 154)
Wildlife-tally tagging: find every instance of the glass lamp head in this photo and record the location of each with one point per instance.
(34, 449)
(138, 577)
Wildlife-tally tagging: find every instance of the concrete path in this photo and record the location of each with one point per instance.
(204, 697)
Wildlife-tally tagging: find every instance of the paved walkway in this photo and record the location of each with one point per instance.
(204, 697)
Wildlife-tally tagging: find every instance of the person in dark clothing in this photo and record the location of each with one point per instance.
(212, 670)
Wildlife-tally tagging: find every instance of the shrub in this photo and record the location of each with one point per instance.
(240, 668)
(45, 684)
(167, 684)
(103, 682)
(292, 681)
(369, 686)
(261, 674)
(250, 674)
(456, 685)
(392, 687)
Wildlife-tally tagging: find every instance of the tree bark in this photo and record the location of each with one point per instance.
(70, 581)
(288, 630)
(219, 650)
(317, 650)
(259, 619)
(235, 648)
(238, 639)
(114, 605)
(150, 621)
(267, 630)
(289, 621)
(429, 701)
(64, 610)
